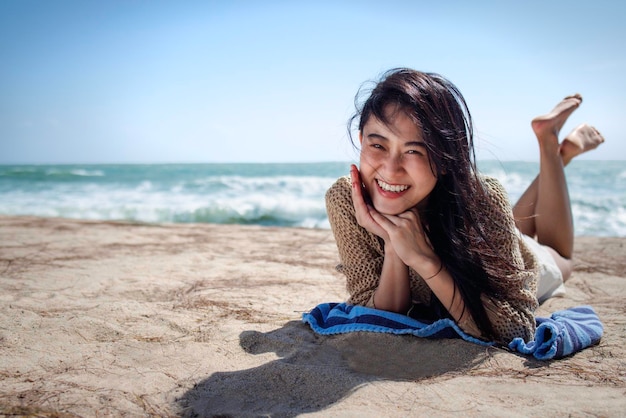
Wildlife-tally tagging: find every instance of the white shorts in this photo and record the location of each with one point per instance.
(550, 282)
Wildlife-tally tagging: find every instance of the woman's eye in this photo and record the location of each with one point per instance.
(377, 146)
(415, 152)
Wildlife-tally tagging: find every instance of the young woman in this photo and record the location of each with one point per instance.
(420, 232)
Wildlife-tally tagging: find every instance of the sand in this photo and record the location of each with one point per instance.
(119, 319)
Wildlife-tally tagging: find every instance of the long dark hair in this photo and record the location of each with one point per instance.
(454, 216)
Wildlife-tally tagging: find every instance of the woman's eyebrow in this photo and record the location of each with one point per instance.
(415, 144)
(377, 136)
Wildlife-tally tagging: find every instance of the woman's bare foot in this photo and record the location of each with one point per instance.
(550, 124)
(583, 138)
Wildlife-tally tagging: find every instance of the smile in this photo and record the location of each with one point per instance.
(395, 188)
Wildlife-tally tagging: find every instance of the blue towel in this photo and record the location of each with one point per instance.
(563, 334)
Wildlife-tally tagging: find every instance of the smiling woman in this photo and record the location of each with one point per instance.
(420, 231)
(395, 168)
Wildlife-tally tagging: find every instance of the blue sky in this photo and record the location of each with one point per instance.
(274, 81)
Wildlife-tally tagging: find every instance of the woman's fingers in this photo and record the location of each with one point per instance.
(357, 192)
(403, 220)
(410, 215)
(357, 195)
(382, 220)
(363, 211)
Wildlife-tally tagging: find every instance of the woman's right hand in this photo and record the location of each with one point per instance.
(363, 211)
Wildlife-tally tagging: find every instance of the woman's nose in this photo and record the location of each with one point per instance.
(394, 163)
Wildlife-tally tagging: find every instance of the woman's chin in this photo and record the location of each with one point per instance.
(389, 209)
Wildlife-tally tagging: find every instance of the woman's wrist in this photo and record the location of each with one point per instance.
(429, 268)
(441, 267)
(390, 252)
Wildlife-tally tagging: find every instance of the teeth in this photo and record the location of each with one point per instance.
(391, 188)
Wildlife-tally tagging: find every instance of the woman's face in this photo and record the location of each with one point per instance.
(395, 166)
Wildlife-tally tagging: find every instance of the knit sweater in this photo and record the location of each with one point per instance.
(361, 256)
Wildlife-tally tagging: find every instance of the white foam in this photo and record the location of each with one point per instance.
(599, 207)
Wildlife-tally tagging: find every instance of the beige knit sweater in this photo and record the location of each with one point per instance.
(361, 259)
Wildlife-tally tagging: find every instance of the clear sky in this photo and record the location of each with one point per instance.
(274, 81)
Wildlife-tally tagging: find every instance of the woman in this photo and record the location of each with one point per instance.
(419, 231)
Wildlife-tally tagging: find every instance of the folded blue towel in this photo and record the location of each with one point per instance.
(564, 333)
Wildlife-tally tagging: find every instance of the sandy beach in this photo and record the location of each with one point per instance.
(121, 319)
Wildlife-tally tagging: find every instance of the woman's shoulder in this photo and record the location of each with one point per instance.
(339, 205)
(495, 191)
(491, 183)
(341, 189)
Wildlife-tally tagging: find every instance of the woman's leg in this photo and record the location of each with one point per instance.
(524, 209)
(554, 224)
(551, 177)
(544, 209)
(581, 139)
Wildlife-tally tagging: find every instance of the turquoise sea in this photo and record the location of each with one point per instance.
(262, 194)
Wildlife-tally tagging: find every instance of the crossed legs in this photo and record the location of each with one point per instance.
(544, 210)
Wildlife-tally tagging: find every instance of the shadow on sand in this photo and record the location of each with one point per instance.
(314, 372)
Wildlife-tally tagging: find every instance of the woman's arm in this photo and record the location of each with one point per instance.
(362, 260)
(361, 253)
(393, 292)
(405, 244)
(409, 242)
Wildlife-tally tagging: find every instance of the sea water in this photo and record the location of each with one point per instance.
(262, 194)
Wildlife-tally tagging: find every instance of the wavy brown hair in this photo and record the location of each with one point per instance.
(455, 215)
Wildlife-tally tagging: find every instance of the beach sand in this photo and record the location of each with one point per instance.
(119, 319)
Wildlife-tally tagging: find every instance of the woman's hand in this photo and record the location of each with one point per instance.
(363, 211)
(409, 241)
(403, 234)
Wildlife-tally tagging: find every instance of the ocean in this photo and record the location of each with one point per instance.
(289, 195)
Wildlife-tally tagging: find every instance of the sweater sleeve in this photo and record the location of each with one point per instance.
(360, 252)
(511, 310)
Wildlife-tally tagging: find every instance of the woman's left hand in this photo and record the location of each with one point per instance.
(409, 240)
